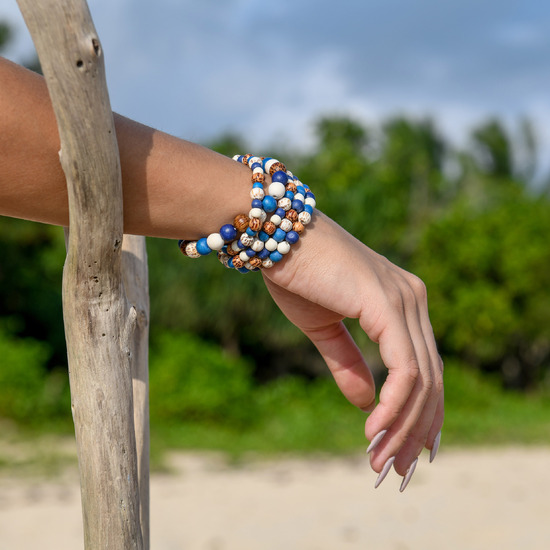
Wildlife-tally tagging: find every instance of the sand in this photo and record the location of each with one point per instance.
(468, 500)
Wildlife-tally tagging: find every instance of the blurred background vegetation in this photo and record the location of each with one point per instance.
(473, 222)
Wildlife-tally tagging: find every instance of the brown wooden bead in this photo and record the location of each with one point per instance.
(291, 186)
(237, 262)
(269, 228)
(231, 251)
(298, 227)
(255, 261)
(292, 215)
(275, 167)
(255, 224)
(258, 177)
(241, 222)
(246, 158)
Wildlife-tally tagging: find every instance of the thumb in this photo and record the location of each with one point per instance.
(346, 363)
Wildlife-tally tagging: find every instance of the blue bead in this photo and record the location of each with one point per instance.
(279, 235)
(250, 232)
(265, 161)
(230, 263)
(297, 205)
(280, 212)
(263, 254)
(240, 245)
(240, 159)
(289, 195)
(292, 237)
(269, 203)
(258, 185)
(180, 242)
(301, 190)
(263, 236)
(309, 195)
(275, 256)
(243, 270)
(257, 203)
(228, 232)
(279, 176)
(256, 165)
(202, 248)
(250, 253)
(308, 208)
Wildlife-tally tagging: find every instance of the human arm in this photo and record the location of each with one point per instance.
(168, 190)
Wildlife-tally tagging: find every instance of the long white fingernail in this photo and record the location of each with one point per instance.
(384, 472)
(408, 475)
(435, 447)
(376, 440)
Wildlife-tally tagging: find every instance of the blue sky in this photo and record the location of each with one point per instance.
(267, 69)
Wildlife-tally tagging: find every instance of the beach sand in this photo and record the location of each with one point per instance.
(470, 500)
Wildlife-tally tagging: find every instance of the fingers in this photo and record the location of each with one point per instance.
(346, 363)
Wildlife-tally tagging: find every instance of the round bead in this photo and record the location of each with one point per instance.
(292, 215)
(250, 232)
(304, 217)
(275, 219)
(257, 193)
(263, 254)
(257, 245)
(298, 227)
(280, 212)
(267, 263)
(257, 203)
(232, 251)
(237, 262)
(279, 235)
(249, 252)
(254, 160)
(269, 203)
(215, 241)
(291, 186)
(228, 232)
(283, 247)
(256, 166)
(276, 190)
(241, 222)
(244, 269)
(269, 228)
(263, 236)
(271, 245)
(202, 247)
(289, 195)
(191, 250)
(255, 213)
(279, 176)
(276, 166)
(285, 204)
(246, 240)
(299, 197)
(292, 237)
(256, 262)
(311, 202)
(258, 177)
(255, 224)
(297, 205)
(268, 163)
(308, 208)
(286, 224)
(244, 256)
(276, 256)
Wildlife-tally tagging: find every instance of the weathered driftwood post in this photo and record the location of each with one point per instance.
(105, 334)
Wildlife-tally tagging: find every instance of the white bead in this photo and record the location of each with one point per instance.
(215, 241)
(299, 197)
(257, 245)
(271, 244)
(244, 256)
(263, 216)
(235, 246)
(246, 239)
(275, 219)
(191, 250)
(236, 157)
(257, 193)
(276, 190)
(283, 247)
(252, 160)
(285, 203)
(304, 217)
(269, 164)
(267, 263)
(286, 225)
(255, 213)
(311, 202)
(258, 170)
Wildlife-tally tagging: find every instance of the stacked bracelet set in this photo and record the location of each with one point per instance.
(277, 218)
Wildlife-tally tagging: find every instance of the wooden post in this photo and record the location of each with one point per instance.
(100, 323)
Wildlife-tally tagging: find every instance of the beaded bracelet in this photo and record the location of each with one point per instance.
(253, 242)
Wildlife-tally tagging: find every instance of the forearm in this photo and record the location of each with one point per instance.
(171, 188)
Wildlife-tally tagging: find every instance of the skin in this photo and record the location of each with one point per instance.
(163, 180)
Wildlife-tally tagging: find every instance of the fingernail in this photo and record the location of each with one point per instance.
(384, 472)
(408, 476)
(435, 447)
(375, 440)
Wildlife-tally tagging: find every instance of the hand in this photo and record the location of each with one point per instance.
(330, 276)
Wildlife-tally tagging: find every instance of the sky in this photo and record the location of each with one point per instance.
(268, 69)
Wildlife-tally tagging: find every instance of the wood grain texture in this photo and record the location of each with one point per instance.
(100, 324)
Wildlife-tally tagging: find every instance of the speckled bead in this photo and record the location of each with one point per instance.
(304, 217)
(269, 228)
(286, 225)
(298, 227)
(285, 203)
(237, 262)
(255, 224)
(258, 177)
(256, 262)
(292, 215)
(246, 240)
(241, 222)
(267, 263)
(257, 193)
(191, 250)
(231, 251)
(276, 167)
(291, 186)
(224, 258)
